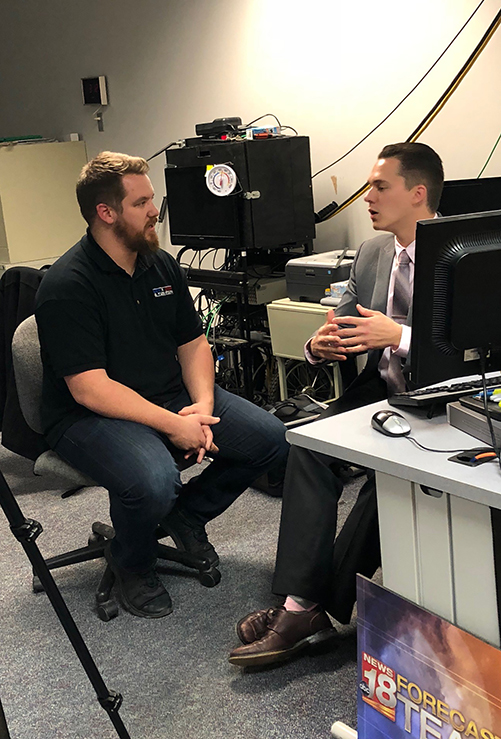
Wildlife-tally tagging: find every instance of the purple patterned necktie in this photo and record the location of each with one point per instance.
(402, 289)
(399, 313)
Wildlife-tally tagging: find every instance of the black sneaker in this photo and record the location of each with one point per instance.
(141, 593)
(189, 537)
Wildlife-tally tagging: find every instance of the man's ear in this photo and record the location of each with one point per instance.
(106, 213)
(420, 195)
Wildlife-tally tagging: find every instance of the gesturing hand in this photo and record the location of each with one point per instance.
(372, 330)
(326, 343)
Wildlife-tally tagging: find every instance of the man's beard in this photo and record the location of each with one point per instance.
(136, 241)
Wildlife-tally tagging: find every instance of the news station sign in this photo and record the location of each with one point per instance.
(420, 676)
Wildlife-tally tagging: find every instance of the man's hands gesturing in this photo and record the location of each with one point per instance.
(326, 344)
(370, 330)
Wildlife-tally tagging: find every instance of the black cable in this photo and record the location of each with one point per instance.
(163, 210)
(290, 128)
(172, 143)
(186, 265)
(430, 116)
(429, 449)
(209, 251)
(264, 116)
(404, 98)
(495, 445)
(489, 157)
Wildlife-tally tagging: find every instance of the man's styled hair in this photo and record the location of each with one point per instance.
(100, 181)
(419, 165)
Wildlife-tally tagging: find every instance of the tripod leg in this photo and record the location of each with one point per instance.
(4, 731)
(26, 531)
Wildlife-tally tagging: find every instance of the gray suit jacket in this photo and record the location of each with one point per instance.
(369, 283)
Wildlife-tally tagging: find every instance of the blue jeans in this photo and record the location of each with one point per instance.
(135, 464)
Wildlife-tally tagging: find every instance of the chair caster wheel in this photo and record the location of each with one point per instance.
(107, 611)
(37, 585)
(102, 529)
(210, 578)
(95, 539)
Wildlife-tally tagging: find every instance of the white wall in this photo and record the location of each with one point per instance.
(331, 69)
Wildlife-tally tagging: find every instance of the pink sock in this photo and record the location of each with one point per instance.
(291, 604)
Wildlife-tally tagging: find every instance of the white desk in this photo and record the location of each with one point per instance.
(436, 551)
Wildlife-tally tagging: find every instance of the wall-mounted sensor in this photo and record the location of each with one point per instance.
(94, 90)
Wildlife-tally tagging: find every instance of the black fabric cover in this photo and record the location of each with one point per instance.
(18, 287)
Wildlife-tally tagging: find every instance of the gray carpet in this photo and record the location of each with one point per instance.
(173, 672)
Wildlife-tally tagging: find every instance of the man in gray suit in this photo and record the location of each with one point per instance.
(314, 569)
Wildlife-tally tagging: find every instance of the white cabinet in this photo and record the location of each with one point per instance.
(291, 325)
(39, 214)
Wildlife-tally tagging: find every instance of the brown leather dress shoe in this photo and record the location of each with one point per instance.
(287, 633)
(252, 627)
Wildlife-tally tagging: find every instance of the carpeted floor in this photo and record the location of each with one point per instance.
(173, 672)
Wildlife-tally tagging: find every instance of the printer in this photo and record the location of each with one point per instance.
(308, 278)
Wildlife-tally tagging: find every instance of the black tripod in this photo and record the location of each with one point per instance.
(26, 531)
(4, 731)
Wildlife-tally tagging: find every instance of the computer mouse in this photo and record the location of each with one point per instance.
(390, 423)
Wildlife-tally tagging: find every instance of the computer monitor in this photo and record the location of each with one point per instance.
(196, 216)
(457, 297)
(470, 196)
(270, 208)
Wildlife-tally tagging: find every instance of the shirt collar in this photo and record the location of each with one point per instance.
(105, 262)
(411, 249)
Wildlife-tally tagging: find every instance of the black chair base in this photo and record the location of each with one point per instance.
(106, 605)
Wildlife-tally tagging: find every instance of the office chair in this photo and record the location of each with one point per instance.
(27, 365)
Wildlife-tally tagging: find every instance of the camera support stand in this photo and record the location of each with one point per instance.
(4, 731)
(26, 531)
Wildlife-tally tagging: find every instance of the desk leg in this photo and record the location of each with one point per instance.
(474, 569)
(342, 731)
(282, 377)
(338, 382)
(399, 555)
(438, 553)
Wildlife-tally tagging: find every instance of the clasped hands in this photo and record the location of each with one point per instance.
(370, 330)
(193, 431)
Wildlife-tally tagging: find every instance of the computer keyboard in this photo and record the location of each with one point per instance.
(427, 396)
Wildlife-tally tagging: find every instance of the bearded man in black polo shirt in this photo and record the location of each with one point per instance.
(129, 377)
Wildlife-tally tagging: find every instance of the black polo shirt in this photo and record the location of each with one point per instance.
(92, 314)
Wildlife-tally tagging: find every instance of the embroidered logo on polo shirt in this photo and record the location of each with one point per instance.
(161, 292)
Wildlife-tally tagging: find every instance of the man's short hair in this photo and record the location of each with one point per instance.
(100, 181)
(419, 165)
